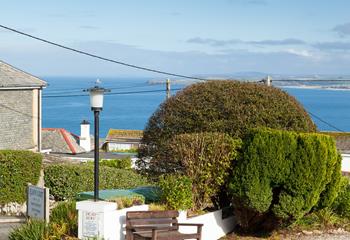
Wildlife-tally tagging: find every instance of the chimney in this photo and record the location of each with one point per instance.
(85, 141)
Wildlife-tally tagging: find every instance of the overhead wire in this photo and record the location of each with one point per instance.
(55, 92)
(325, 122)
(100, 57)
(113, 93)
(135, 67)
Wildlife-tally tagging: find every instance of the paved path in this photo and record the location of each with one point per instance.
(336, 235)
(326, 236)
(6, 228)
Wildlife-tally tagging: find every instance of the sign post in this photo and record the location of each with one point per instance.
(38, 202)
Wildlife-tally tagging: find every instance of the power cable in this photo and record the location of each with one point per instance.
(311, 80)
(107, 94)
(101, 58)
(325, 122)
(16, 111)
(55, 92)
(132, 66)
(143, 84)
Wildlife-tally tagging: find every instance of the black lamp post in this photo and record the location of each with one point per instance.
(96, 102)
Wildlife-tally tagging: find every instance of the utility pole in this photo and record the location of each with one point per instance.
(168, 88)
(268, 81)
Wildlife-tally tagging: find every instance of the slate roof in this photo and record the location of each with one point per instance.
(60, 140)
(342, 140)
(123, 135)
(11, 77)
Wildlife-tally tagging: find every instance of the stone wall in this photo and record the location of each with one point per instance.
(16, 119)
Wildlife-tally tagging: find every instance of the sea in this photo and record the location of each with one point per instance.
(132, 101)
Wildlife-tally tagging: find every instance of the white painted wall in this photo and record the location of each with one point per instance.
(345, 165)
(121, 216)
(97, 219)
(214, 226)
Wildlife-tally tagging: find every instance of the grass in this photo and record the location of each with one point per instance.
(323, 220)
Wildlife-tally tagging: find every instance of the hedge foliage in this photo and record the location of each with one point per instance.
(120, 163)
(17, 168)
(230, 107)
(341, 204)
(176, 191)
(66, 180)
(283, 175)
(206, 158)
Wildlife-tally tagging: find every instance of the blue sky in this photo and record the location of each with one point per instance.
(187, 37)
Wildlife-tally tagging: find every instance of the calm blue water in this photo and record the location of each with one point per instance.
(131, 111)
(126, 111)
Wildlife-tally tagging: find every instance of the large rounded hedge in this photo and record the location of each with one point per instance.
(282, 175)
(226, 106)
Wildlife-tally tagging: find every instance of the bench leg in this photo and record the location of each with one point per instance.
(129, 235)
(199, 231)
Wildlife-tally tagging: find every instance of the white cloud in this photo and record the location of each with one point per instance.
(302, 53)
(46, 60)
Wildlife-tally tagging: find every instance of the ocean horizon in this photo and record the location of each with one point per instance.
(133, 101)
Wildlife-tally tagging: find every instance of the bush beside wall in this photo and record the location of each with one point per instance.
(66, 180)
(282, 176)
(341, 204)
(63, 225)
(176, 191)
(17, 168)
(207, 159)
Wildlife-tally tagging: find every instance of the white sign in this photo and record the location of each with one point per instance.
(37, 202)
(91, 224)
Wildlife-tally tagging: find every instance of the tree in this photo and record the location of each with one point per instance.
(230, 107)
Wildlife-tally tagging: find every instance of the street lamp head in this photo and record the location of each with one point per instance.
(96, 97)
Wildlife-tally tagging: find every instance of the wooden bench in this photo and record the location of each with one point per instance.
(161, 225)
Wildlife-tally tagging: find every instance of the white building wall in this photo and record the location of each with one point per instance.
(345, 166)
(119, 146)
(85, 140)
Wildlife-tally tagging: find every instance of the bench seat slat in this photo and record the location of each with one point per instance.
(150, 221)
(167, 235)
(148, 228)
(152, 214)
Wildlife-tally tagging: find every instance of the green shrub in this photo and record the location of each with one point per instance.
(206, 158)
(120, 163)
(282, 176)
(176, 191)
(63, 225)
(320, 219)
(66, 180)
(341, 204)
(230, 107)
(33, 229)
(17, 168)
(125, 202)
(65, 214)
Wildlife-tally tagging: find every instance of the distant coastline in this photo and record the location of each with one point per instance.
(132, 111)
